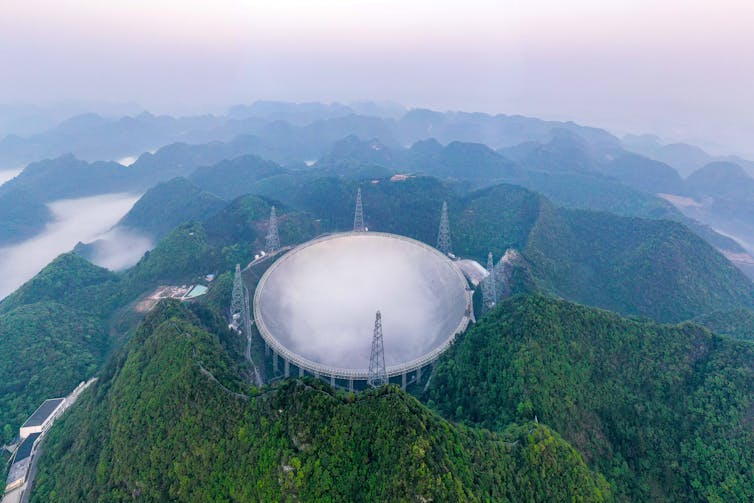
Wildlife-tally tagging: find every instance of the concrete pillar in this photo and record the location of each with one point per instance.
(266, 349)
(275, 362)
(287, 367)
(350, 384)
(300, 371)
(403, 380)
(332, 380)
(418, 374)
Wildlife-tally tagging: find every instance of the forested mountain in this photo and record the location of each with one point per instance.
(572, 165)
(683, 157)
(559, 244)
(232, 178)
(65, 323)
(736, 323)
(23, 212)
(53, 334)
(675, 275)
(664, 412)
(168, 204)
(306, 129)
(175, 388)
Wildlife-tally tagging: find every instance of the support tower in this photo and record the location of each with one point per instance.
(377, 373)
(489, 296)
(237, 298)
(443, 235)
(273, 239)
(358, 218)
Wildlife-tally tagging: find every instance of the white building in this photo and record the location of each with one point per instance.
(43, 417)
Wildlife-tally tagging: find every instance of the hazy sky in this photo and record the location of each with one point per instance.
(682, 68)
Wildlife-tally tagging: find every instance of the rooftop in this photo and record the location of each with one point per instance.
(197, 291)
(24, 450)
(43, 412)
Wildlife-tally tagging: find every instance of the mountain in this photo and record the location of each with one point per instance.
(628, 264)
(645, 174)
(298, 114)
(567, 170)
(23, 210)
(723, 180)
(664, 412)
(683, 157)
(53, 334)
(235, 177)
(736, 323)
(497, 131)
(352, 158)
(175, 389)
(723, 198)
(466, 161)
(580, 255)
(41, 182)
(168, 204)
(94, 137)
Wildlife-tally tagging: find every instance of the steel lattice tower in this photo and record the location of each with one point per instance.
(443, 235)
(377, 372)
(358, 218)
(273, 239)
(489, 296)
(237, 303)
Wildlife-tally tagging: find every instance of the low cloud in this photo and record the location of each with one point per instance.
(85, 219)
(120, 248)
(8, 174)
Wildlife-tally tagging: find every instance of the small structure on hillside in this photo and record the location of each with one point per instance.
(43, 417)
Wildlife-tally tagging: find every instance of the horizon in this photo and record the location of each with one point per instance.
(621, 66)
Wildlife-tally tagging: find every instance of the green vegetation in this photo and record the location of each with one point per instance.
(58, 328)
(664, 412)
(644, 404)
(169, 204)
(53, 335)
(736, 323)
(644, 267)
(235, 177)
(171, 420)
(651, 268)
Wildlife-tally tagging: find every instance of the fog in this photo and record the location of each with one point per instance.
(120, 248)
(680, 69)
(8, 174)
(85, 219)
(321, 302)
(128, 160)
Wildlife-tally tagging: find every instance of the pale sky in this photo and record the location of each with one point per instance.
(682, 69)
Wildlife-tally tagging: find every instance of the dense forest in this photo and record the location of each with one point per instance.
(676, 275)
(663, 411)
(542, 400)
(171, 420)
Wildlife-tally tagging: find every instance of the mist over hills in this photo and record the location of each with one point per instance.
(613, 408)
(592, 168)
